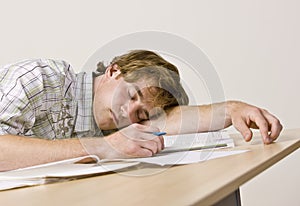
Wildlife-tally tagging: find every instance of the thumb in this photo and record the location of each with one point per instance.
(145, 128)
(242, 127)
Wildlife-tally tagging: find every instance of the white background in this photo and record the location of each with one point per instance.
(254, 46)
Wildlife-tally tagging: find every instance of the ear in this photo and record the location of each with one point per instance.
(112, 71)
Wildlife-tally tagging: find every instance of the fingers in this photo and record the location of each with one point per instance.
(153, 143)
(252, 117)
(243, 128)
(263, 126)
(135, 150)
(147, 134)
(153, 146)
(275, 126)
(269, 126)
(145, 148)
(141, 142)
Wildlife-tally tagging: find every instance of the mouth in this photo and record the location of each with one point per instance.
(114, 117)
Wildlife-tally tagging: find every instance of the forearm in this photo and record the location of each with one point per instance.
(188, 119)
(133, 141)
(18, 152)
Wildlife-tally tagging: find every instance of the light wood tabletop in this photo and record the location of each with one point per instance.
(203, 183)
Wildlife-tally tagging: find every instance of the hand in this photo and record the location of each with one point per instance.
(135, 140)
(244, 116)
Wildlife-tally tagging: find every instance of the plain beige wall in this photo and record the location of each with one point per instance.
(253, 44)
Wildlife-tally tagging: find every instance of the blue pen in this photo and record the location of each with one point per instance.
(159, 133)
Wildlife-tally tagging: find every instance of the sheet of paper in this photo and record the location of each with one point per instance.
(197, 141)
(56, 171)
(187, 157)
(17, 183)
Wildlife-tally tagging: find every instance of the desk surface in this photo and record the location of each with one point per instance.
(203, 183)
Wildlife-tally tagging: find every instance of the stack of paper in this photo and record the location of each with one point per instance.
(57, 171)
(197, 141)
(177, 152)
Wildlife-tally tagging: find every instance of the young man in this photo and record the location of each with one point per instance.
(49, 113)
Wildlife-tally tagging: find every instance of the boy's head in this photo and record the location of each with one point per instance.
(138, 82)
(138, 59)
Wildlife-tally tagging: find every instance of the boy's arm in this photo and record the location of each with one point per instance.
(133, 141)
(18, 151)
(188, 119)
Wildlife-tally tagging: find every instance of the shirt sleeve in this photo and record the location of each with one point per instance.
(16, 87)
(16, 113)
(23, 89)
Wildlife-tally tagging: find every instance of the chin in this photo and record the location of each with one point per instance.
(106, 126)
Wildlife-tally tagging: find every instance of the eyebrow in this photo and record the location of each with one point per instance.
(138, 90)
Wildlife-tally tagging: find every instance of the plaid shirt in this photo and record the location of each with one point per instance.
(44, 98)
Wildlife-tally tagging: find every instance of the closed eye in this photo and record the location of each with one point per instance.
(142, 115)
(132, 95)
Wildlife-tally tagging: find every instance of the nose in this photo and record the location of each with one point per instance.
(129, 110)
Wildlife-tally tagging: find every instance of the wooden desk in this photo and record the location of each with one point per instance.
(197, 184)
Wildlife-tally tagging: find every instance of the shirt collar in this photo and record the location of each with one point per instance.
(84, 97)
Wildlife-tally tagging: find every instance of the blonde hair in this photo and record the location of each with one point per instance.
(163, 77)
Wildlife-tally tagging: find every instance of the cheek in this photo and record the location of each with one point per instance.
(99, 101)
(119, 97)
(97, 109)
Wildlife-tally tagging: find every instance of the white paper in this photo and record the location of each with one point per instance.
(197, 141)
(187, 157)
(56, 171)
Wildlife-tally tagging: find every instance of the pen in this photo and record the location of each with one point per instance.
(174, 149)
(159, 133)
